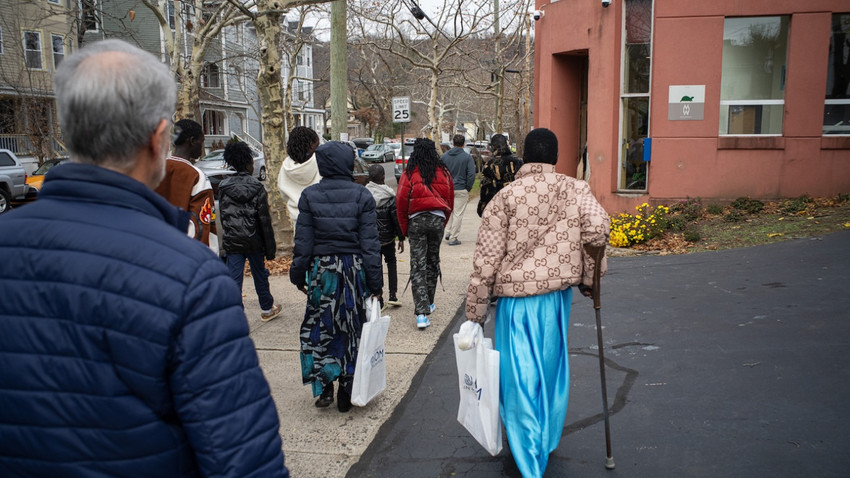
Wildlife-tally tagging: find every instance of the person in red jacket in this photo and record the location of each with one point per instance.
(424, 200)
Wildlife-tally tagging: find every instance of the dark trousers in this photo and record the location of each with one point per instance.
(388, 251)
(425, 232)
(256, 260)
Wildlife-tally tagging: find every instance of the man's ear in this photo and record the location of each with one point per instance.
(160, 134)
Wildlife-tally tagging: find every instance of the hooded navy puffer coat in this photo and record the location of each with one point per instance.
(124, 349)
(336, 217)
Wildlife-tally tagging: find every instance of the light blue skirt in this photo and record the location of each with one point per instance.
(531, 337)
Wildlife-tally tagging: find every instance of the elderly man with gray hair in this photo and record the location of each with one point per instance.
(125, 348)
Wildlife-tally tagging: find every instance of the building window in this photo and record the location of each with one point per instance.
(214, 123)
(58, 49)
(89, 14)
(836, 113)
(32, 50)
(210, 77)
(634, 96)
(171, 20)
(55, 2)
(1, 40)
(752, 87)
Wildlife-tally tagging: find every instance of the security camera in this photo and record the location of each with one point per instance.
(537, 14)
(605, 3)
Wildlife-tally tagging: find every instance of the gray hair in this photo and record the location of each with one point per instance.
(111, 97)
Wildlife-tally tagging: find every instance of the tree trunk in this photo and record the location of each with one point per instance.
(339, 71)
(432, 108)
(270, 88)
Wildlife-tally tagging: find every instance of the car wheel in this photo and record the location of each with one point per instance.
(262, 174)
(5, 201)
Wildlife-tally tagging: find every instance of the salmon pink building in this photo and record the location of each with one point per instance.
(661, 100)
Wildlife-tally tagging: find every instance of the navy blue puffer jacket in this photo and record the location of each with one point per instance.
(124, 349)
(336, 217)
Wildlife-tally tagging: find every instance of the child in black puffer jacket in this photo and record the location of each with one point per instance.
(247, 225)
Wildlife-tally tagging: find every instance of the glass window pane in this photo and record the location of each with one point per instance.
(751, 119)
(635, 129)
(754, 58)
(637, 47)
(836, 115)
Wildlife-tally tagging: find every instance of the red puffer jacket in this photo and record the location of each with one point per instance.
(414, 196)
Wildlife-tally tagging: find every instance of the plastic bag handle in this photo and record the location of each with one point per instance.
(374, 309)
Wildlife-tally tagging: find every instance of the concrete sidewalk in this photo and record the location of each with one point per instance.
(324, 443)
(719, 364)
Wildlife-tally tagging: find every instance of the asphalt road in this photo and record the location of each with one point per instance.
(719, 364)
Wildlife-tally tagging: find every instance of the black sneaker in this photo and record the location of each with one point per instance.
(327, 396)
(393, 300)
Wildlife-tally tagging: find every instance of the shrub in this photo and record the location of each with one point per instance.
(733, 216)
(690, 209)
(627, 229)
(691, 235)
(748, 205)
(843, 198)
(796, 205)
(677, 223)
(714, 209)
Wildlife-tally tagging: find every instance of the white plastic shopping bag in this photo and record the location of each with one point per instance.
(478, 379)
(370, 372)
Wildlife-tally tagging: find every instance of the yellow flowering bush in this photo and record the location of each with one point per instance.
(628, 229)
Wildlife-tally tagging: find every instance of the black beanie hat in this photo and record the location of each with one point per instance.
(541, 146)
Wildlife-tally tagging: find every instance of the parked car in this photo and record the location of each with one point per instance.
(378, 153)
(396, 147)
(35, 180)
(216, 169)
(13, 179)
(361, 144)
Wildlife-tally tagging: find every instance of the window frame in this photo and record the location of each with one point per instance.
(1, 41)
(40, 50)
(728, 104)
(207, 76)
(53, 37)
(625, 96)
(55, 2)
(219, 117)
(84, 7)
(828, 100)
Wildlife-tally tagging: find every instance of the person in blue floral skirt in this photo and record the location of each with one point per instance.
(337, 263)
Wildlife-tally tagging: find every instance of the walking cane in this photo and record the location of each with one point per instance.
(597, 253)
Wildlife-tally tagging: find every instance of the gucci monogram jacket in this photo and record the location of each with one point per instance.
(531, 236)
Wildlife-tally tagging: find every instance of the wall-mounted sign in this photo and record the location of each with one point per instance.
(686, 102)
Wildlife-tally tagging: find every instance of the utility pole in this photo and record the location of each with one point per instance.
(339, 70)
(500, 68)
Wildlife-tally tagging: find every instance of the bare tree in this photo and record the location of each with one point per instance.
(202, 22)
(388, 29)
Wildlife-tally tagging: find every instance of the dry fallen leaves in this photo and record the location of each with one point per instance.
(276, 267)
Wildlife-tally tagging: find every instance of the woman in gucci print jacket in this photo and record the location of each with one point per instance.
(529, 253)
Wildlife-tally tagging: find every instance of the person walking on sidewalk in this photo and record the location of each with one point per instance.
(462, 168)
(425, 200)
(499, 170)
(529, 253)
(125, 349)
(247, 225)
(299, 168)
(388, 227)
(186, 186)
(337, 263)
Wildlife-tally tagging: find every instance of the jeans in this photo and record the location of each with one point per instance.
(256, 260)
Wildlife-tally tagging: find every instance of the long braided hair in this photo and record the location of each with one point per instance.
(424, 158)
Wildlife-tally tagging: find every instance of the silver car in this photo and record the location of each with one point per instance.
(378, 153)
(216, 169)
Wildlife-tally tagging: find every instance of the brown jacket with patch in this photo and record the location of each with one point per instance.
(188, 188)
(531, 236)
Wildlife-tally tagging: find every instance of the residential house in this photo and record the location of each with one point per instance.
(34, 38)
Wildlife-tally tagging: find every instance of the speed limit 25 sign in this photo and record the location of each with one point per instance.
(401, 109)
